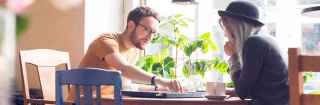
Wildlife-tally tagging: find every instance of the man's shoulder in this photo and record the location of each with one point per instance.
(113, 36)
(108, 39)
(104, 44)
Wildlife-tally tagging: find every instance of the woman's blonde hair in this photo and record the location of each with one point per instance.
(240, 32)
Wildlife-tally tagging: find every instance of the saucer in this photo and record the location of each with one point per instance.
(216, 97)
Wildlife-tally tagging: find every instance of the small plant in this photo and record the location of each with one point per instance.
(200, 66)
(156, 64)
(170, 37)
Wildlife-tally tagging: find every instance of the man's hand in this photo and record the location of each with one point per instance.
(171, 85)
(174, 85)
(229, 48)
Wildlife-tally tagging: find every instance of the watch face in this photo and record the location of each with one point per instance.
(153, 80)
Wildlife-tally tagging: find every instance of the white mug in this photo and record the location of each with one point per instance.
(215, 88)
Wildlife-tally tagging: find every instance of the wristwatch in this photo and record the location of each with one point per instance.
(153, 82)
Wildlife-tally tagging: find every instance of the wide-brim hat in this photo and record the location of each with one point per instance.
(242, 10)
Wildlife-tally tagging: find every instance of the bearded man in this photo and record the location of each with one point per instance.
(108, 51)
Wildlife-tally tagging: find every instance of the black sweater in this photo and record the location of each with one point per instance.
(263, 76)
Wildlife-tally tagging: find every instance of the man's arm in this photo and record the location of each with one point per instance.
(132, 72)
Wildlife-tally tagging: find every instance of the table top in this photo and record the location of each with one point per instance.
(176, 101)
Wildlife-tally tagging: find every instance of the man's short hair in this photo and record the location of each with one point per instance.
(140, 12)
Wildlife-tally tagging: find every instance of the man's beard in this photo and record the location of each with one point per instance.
(135, 41)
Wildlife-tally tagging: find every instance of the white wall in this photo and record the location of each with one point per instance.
(51, 28)
(102, 16)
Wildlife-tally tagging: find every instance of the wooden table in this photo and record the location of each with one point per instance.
(176, 101)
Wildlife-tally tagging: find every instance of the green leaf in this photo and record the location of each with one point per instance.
(200, 67)
(207, 38)
(22, 23)
(219, 65)
(157, 69)
(186, 70)
(182, 23)
(168, 62)
(189, 49)
(213, 45)
(170, 73)
(182, 41)
(205, 47)
(179, 15)
(146, 62)
(167, 41)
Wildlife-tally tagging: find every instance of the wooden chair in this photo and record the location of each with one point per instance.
(88, 78)
(299, 63)
(45, 62)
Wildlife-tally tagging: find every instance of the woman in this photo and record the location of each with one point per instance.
(256, 65)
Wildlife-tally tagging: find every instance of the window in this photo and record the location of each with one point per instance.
(202, 14)
(310, 27)
(282, 19)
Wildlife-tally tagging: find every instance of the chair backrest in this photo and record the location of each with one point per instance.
(45, 62)
(88, 78)
(299, 63)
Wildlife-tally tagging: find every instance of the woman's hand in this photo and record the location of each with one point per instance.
(229, 48)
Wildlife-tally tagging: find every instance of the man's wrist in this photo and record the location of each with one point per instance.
(161, 81)
(153, 82)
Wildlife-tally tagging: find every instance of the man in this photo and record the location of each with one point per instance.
(108, 50)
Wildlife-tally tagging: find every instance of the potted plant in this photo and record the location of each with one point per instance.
(171, 39)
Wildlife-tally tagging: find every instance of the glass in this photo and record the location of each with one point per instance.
(147, 30)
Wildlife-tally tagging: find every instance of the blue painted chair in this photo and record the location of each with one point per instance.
(88, 78)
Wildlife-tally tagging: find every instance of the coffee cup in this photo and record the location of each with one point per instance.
(215, 89)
